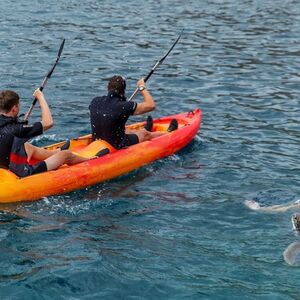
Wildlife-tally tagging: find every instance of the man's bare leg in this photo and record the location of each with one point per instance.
(144, 135)
(53, 158)
(37, 153)
(63, 157)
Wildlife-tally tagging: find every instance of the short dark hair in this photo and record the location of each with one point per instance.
(7, 100)
(117, 84)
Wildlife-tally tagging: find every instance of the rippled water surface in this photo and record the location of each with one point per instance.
(178, 228)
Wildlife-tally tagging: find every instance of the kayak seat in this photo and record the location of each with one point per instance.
(96, 148)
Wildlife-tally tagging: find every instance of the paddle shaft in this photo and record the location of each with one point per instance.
(44, 82)
(159, 62)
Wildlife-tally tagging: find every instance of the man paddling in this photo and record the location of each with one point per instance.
(15, 151)
(110, 113)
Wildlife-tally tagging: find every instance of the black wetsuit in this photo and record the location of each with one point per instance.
(13, 135)
(108, 118)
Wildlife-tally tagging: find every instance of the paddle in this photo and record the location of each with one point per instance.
(159, 62)
(44, 82)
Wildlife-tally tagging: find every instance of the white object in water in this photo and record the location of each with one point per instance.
(252, 204)
(292, 253)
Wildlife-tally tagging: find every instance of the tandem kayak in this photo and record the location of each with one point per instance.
(116, 163)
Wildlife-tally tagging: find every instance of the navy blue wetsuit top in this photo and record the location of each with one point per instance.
(11, 128)
(108, 118)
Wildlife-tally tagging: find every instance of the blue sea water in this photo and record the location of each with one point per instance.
(177, 228)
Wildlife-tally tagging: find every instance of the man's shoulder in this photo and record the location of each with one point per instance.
(99, 98)
(94, 103)
(5, 121)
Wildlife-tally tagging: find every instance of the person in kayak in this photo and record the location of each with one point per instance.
(15, 151)
(109, 114)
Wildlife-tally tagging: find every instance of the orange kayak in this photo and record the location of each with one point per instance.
(116, 163)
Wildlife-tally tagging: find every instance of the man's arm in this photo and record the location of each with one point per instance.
(47, 121)
(148, 104)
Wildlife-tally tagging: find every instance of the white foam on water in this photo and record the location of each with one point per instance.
(174, 157)
(198, 138)
(297, 201)
(46, 200)
(45, 137)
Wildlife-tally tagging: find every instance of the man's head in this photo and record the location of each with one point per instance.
(117, 84)
(9, 103)
(296, 221)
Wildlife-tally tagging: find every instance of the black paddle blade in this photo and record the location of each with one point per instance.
(44, 82)
(61, 48)
(172, 46)
(158, 63)
(52, 69)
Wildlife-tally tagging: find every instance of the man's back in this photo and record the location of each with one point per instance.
(6, 139)
(108, 118)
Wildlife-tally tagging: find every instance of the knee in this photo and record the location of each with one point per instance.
(147, 135)
(67, 155)
(30, 150)
(144, 135)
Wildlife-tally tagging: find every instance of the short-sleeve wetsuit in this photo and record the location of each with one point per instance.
(108, 118)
